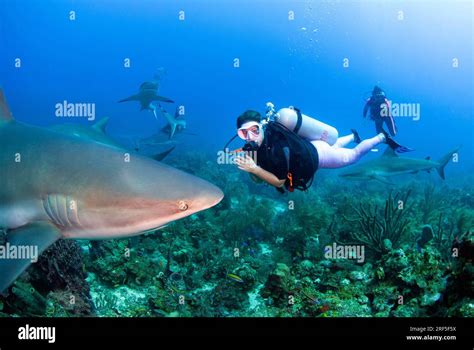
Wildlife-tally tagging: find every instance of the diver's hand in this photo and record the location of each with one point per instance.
(246, 163)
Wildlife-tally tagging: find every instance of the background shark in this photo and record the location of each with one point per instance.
(147, 94)
(390, 164)
(57, 186)
(175, 124)
(97, 133)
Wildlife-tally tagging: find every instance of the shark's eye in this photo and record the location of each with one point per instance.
(183, 206)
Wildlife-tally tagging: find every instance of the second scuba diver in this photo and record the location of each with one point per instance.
(380, 112)
(289, 149)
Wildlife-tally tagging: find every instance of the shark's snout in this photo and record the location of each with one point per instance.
(208, 197)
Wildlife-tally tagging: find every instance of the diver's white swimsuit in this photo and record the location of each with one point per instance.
(325, 138)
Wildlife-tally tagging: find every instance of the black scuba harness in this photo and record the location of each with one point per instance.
(273, 126)
(293, 182)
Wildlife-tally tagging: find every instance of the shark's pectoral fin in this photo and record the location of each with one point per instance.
(162, 99)
(382, 179)
(23, 247)
(131, 98)
(160, 156)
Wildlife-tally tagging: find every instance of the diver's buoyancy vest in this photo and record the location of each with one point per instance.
(376, 103)
(302, 158)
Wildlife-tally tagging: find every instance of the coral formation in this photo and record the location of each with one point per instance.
(259, 253)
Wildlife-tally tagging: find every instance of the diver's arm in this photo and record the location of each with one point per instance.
(387, 102)
(255, 178)
(366, 107)
(268, 177)
(247, 164)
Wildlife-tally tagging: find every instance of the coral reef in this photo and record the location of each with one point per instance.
(53, 286)
(262, 254)
(375, 228)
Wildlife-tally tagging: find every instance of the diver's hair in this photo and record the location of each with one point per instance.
(248, 116)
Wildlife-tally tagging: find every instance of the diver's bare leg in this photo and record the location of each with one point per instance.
(331, 158)
(343, 141)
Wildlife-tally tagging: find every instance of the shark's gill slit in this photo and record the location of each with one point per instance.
(47, 208)
(53, 209)
(58, 208)
(64, 207)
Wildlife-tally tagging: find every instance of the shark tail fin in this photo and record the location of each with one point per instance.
(36, 238)
(444, 161)
(5, 113)
(101, 124)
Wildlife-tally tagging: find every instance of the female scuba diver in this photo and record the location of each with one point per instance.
(288, 147)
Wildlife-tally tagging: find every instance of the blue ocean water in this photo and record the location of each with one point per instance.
(217, 59)
(289, 52)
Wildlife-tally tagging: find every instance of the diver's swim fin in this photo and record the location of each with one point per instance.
(35, 238)
(357, 138)
(395, 145)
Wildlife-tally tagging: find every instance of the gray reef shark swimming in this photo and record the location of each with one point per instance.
(98, 134)
(55, 186)
(390, 164)
(147, 94)
(175, 124)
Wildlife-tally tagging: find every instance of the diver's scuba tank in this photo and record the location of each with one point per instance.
(303, 125)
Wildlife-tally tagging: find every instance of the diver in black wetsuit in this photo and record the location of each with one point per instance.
(380, 111)
(285, 160)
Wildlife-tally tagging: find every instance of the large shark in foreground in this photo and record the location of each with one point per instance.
(54, 186)
(390, 164)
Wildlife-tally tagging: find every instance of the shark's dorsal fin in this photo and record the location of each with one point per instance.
(101, 125)
(5, 114)
(389, 153)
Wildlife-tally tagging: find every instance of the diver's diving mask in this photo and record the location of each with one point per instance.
(250, 132)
